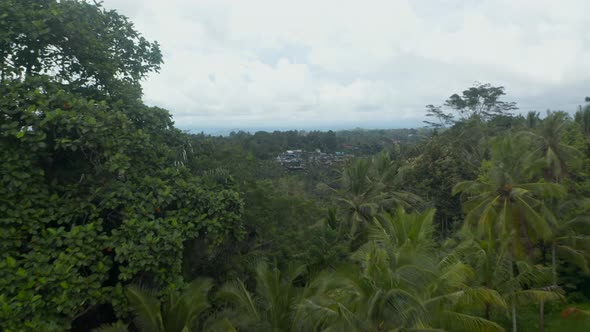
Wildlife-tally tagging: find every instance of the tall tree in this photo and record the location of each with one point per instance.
(481, 101)
(77, 43)
(94, 189)
(550, 153)
(499, 206)
(442, 119)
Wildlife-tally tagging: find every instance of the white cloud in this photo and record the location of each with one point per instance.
(331, 63)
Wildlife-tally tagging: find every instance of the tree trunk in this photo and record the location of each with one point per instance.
(542, 317)
(514, 329)
(553, 264)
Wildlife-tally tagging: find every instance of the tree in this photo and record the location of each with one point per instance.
(359, 195)
(444, 120)
(480, 101)
(582, 117)
(550, 153)
(95, 189)
(364, 189)
(518, 282)
(397, 284)
(78, 44)
(503, 209)
(532, 119)
(271, 306)
(178, 313)
(569, 240)
(432, 175)
(499, 206)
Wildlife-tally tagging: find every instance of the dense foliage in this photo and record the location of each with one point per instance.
(112, 219)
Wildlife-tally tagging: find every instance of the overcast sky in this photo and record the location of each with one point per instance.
(342, 64)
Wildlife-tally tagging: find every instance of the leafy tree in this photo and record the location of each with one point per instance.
(481, 101)
(432, 175)
(95, 191)
(78, 44)
(90, 201)
(443, 119)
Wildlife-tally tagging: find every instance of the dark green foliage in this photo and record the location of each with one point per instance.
(90, 202)
(481, 101)
(78, 43)
(443, 120)
(94, 191)
(106, 207)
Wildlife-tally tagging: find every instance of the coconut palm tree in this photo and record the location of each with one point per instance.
(532, 119)
(569, 240)
(385, 171)
(396, 284)
(550, 153)
(363, 190)
(359, 195)
(553, 158)
(582, 117)
(178, 313)
(498, 206)
(271, 306)
(518, 282)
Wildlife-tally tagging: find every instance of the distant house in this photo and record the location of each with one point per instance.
(297, 159)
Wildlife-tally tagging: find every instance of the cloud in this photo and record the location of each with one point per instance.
(376, 63)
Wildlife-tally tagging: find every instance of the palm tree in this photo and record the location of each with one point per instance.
(532, 119)
(398, 284)
(553, 158)
(549, 153)
(386, 171)
(115, 327)
(363, 190)
(582, 117)
(498, 206)
(359, 195)
(569, 240)
(178, 313)
(270, 307)
(517, 282)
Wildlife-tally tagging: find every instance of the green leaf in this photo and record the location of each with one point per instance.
(10, 261)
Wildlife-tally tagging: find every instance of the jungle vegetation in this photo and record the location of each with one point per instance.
(112, 219)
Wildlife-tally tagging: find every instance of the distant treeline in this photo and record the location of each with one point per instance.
(263, 144)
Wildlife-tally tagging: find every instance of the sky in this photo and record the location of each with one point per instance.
(324, 64)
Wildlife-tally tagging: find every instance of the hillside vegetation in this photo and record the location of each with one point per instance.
(112, 219)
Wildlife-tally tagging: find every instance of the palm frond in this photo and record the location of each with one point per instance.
(454, 321)
(114, 327)
(146, 309)
(236, 293)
